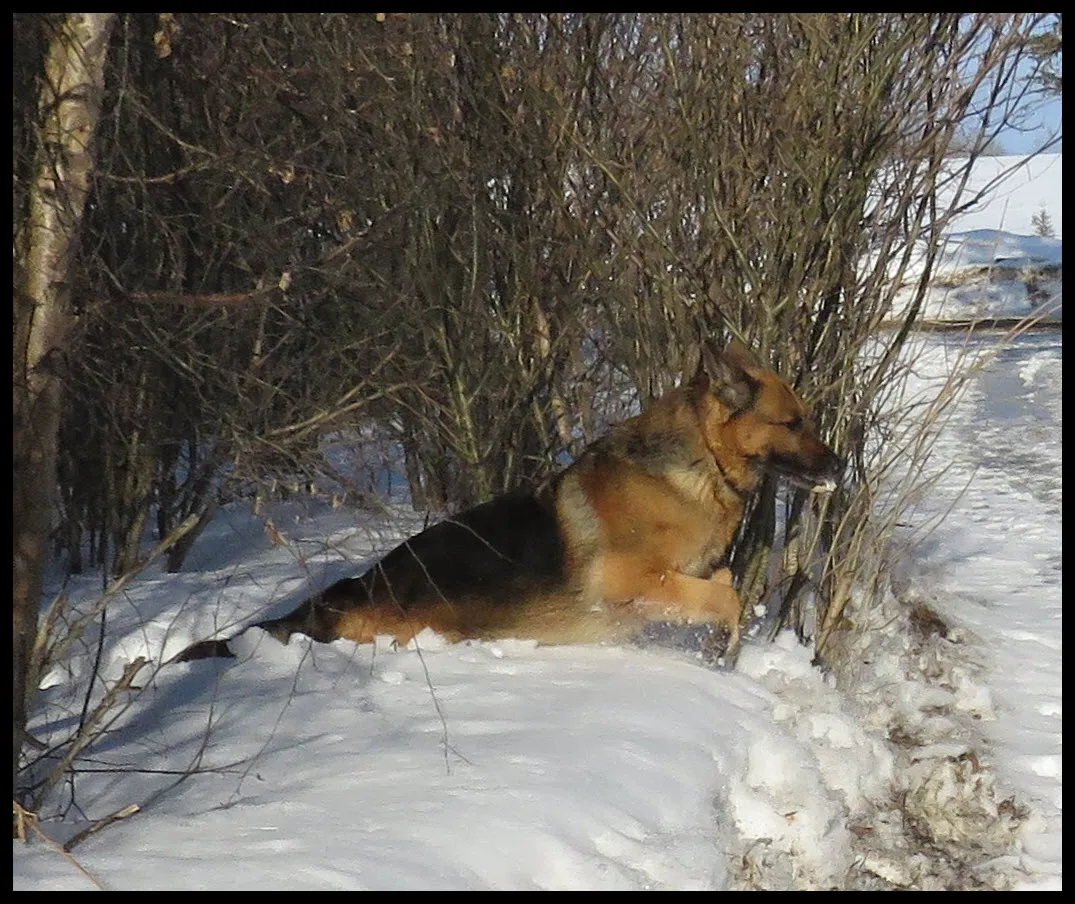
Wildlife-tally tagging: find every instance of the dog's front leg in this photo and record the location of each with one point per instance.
(666, 595)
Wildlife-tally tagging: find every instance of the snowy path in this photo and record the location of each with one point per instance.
(994, 567)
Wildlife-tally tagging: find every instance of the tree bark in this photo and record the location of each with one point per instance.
(68, 111)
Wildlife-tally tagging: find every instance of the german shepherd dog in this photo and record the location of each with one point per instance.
(636, 531)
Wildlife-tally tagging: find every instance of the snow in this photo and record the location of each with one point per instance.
(512, 766)
(1004, 535)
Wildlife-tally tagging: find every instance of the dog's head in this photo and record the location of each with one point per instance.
(756, 419)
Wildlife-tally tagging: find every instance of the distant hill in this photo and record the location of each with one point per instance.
(1034, 184)
(993, 265)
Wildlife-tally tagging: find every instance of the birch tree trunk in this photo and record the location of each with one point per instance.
(46, 246)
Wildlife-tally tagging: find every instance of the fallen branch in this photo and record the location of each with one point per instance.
(27, 820)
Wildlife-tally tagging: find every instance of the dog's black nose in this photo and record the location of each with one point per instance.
(836, 466)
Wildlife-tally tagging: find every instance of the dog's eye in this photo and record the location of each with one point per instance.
(794, 424)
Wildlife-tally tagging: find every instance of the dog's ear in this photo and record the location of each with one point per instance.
(725, 371)
(695, 364)
(741, 355)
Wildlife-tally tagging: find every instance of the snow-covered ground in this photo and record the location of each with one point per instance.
(510, 766)
(992, 566)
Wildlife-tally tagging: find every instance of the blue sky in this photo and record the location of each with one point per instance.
(1043, 116)
(1044, 123)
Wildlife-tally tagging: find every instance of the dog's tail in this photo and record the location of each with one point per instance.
(316, 618)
